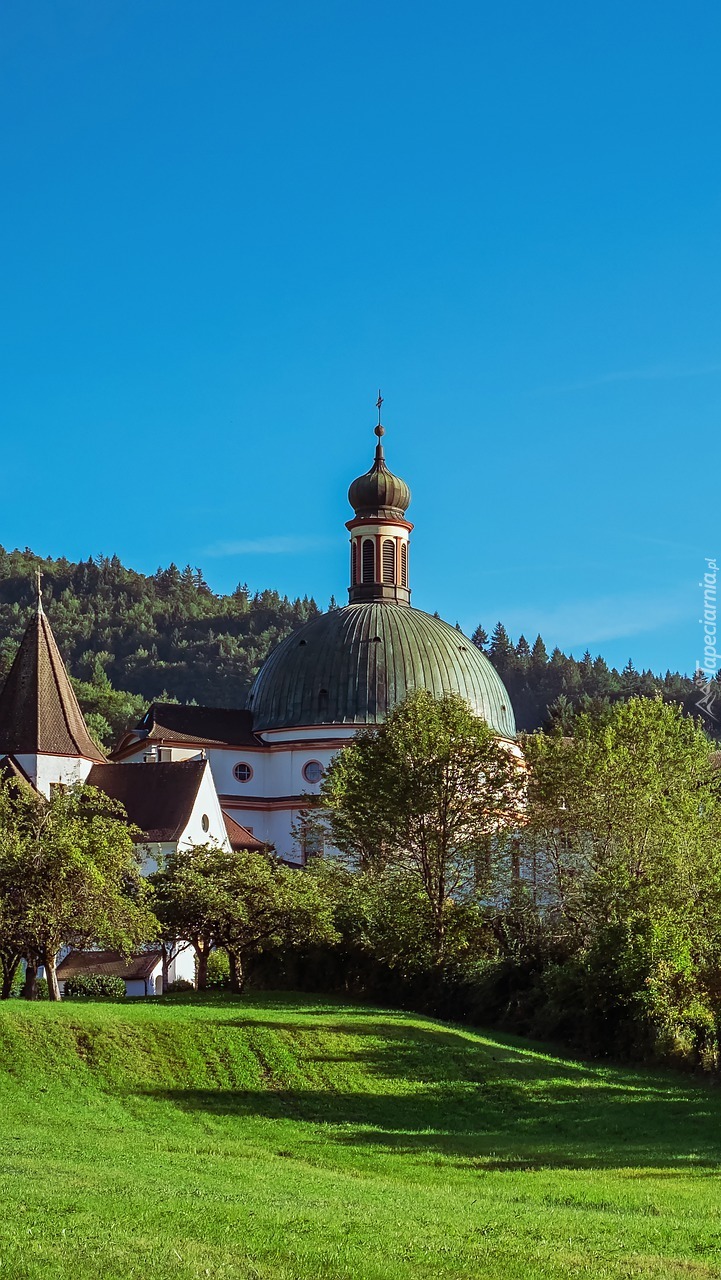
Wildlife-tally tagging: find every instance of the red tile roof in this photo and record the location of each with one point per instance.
(241, 837)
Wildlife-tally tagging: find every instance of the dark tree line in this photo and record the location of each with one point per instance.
(129, 638)
(547, 690)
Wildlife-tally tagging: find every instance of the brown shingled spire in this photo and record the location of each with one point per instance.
(39, 713)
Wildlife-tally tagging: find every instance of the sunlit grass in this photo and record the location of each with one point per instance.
(279, 1136)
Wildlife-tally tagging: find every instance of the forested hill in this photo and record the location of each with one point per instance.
(548, 688)
(164, 635)
(128, 638)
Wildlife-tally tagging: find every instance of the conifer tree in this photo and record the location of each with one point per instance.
(480, 638)
(523, 652)
(539, 656)
(501, 651)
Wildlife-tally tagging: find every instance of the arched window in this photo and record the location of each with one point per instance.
(404, 564)
(354, 562)
(369, 560)
(389, 560)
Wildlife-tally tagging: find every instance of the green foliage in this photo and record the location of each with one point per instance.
(179, 984)
(243, 902)
(598, 922)
(623, 849)
(425, 1149)
(94, 986)
(218, 969)
(428, 796)
(69, 876)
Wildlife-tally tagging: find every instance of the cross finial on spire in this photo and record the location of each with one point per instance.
(39, 589)
(379, 430)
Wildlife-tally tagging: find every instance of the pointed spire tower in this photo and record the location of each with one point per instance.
(379, 532)
(41, 724)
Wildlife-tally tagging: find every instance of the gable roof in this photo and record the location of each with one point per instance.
(158, 798)
(240, 837)
(39, 713)
(109, 964)
(172, 722)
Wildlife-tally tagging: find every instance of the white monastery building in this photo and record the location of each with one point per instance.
(341, 671)
(242, 778)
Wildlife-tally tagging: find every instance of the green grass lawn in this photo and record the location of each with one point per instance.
(279, 1136)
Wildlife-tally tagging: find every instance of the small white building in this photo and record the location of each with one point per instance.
(141, 973)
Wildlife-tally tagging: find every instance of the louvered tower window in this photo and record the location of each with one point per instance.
(389, 560)
(404, 565)
(354, 562)
(369, 557)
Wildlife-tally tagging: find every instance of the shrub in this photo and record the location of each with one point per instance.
(218, 969)
(94, 986)
(180, 984)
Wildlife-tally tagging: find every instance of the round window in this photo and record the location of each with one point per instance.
(313, 771)
(242, 772)
(205, 822)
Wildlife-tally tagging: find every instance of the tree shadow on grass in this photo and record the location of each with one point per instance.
(481, 1100)
(500, 1132)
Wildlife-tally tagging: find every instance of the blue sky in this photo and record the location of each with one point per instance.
(224, 225)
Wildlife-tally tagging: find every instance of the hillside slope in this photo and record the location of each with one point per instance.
(280, 1137)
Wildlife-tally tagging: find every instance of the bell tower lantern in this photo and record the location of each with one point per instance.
(379, 532)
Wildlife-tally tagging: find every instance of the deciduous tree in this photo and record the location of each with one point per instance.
(431, 793)
(241, 901)
(69, 876)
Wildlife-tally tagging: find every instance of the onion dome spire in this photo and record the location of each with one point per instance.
(379, 493)
(379, 531)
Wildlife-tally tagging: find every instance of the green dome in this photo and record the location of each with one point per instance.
(352, 666)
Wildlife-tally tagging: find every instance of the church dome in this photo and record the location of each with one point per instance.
(354, 665)
(378, 492)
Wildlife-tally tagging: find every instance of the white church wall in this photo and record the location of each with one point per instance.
(206, 824)
(315, 733)
(278, 772)
(182, 966)
(46, 771)
(136, 987)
